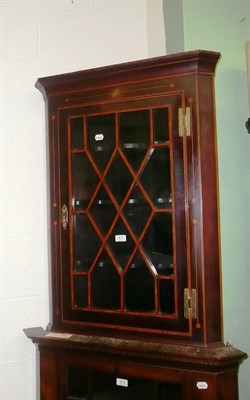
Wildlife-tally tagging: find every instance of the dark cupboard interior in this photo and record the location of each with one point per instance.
(95, 385)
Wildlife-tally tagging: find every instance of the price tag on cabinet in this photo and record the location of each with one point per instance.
(99, 137)
(121, 382)
(202, 385)
(120, 238)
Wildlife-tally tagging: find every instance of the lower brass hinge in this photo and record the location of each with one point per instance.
(190, 303)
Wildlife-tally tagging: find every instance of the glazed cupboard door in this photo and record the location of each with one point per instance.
(124, 224)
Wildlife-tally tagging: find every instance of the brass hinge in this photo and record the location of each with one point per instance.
(190, 303)
(184, 121)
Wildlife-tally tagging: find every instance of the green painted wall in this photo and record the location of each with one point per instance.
(224, 26)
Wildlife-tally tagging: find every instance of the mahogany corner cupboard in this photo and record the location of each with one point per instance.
(135, 259)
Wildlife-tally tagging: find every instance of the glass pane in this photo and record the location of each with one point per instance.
(121, 243)
(86, 243)
(161, 128)
(169, 391)
(135, 136)
(98, 385)
(119, 179)
(76, 126)
(81, 291)
(156, 178)
(105, 388)
(105, 285)
(137, 211)
(101, 138)
(166, 296)
(103, 211)
(103, 385)
(139, 287)
(163, 263)
(84, 181)
(158, 243)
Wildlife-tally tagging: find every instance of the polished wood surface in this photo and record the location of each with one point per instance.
(201, 372)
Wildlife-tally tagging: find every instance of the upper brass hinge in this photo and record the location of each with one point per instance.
(184, 121)
(190, 303)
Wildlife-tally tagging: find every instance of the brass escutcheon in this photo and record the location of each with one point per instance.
(64, 216)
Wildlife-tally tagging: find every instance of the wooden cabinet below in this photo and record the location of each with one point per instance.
(78, 367)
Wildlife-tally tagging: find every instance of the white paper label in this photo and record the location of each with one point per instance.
(99, 137)
(202, 385)
(121, 382)
(120, 238)
(59, 335)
